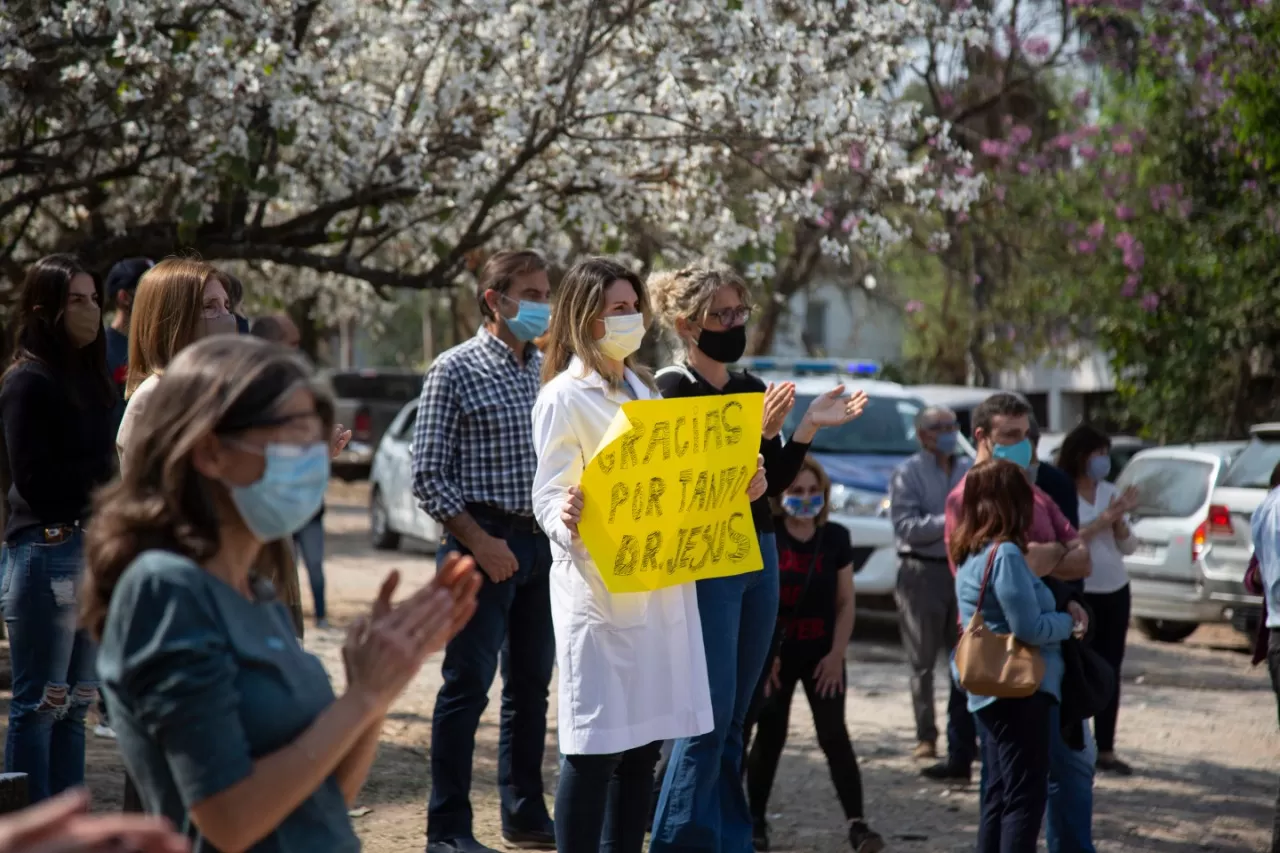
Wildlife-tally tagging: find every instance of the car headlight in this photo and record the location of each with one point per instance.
(853, 501)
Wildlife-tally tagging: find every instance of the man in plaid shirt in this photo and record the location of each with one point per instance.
(473, 467)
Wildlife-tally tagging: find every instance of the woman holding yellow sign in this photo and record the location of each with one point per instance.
(632, 668)
(703, 806)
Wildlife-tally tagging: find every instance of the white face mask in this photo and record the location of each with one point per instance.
(622, 336)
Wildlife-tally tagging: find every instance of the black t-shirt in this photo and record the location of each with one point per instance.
(809, 626)
(781, 462)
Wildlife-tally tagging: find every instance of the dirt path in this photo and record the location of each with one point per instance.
(1197, 722)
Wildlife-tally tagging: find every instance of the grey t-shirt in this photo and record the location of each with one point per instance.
(201, 682)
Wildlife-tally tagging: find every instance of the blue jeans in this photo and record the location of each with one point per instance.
(309, 544)
(703, 805)
(54, 679)
(512, 622)
(1015, 773)
(1069, 819)
(602, 802)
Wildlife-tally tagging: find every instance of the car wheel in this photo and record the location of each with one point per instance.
(1166, 630)
(380, 532)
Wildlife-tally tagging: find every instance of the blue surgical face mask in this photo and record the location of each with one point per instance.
(1099, 467)
(946, 442)
(800, 506)
(290, 492)
(1019, 454)
(531, 320)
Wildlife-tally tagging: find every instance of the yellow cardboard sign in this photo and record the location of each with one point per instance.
(665, 496)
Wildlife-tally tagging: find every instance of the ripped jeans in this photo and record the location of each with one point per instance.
(54, 677)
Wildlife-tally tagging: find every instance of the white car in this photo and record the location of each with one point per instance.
(1172, 574)
(393, 510)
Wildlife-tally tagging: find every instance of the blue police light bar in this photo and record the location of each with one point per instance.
(810, 366)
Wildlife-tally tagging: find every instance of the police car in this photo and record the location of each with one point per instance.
(859, 457)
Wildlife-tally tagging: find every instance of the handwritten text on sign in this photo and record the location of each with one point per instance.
(665, 497)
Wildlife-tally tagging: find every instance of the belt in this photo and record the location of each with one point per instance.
(922, 558)
(509, 520)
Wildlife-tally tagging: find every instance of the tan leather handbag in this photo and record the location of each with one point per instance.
(992, 664)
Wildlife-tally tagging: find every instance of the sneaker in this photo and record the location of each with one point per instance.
(760, 836)
(863, 839)
(531, 839)
(944, 771)
(104, 731)
(1108, 763)
(925, 750)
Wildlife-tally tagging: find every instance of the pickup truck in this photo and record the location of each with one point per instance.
(366, 401)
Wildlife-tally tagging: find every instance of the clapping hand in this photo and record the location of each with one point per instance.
(833, 409)
(63, 825)
(778, 401)
(339, 440)
(758, 485)
(385, 649)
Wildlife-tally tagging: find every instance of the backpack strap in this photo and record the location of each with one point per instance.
(680, 369)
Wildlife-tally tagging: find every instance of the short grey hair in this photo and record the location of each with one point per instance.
(268, 328)
(929, 413)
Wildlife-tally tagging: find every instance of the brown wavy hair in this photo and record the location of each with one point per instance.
(998, 506)
(168, 314)
(221, 385)
(814, 467)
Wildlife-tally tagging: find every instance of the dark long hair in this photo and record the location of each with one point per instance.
(999, 506)
(41, 336)
(1081, 443)
(220, 385)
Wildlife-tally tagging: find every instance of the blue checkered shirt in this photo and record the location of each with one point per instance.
(473, 441)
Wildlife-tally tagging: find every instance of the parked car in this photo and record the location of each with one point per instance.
(1241, 489)
(393, 510)
(1173, 574)
(1123, 448)
(860, 458)
(367, 401)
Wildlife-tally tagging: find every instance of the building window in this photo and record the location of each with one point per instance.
(815, 327)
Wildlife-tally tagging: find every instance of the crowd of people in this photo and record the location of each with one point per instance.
(165, 474)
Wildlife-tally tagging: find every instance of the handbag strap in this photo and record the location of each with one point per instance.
(986, 575)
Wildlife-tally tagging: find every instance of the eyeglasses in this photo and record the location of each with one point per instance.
(730, 317)
(945, 426)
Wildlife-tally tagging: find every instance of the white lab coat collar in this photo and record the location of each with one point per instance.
(579, 370)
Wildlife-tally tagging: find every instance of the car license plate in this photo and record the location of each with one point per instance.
(1146, 549)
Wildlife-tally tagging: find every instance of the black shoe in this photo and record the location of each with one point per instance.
(760, 836)
(458, 845)
(863, 839)
(531, 839)
(1111, 764)
(946, 772)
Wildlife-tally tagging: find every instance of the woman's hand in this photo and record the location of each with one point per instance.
(571, 512)
(1081, 617)
(829, 676)
(758, 485)
(773, 683)
(63, 825)
(385, 650)
(778, 401)
(832, 409)
(339, 440)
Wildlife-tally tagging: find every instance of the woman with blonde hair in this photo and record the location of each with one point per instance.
(632, 668)
(702, 805)
(229, 726)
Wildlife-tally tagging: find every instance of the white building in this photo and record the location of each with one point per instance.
(841, 320)
(1063, 391)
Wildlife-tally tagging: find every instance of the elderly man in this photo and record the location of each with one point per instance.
(925, 592)
(279, 328)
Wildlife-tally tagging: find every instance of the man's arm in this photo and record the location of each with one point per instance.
(1076, 564)
(911, 523)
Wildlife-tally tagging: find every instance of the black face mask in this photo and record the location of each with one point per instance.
(725, 347)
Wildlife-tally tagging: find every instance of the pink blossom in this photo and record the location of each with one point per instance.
(915, 306)
(825, 220)
(996, 148)
(965, 171)
(1024, 168)
(1124, 241)
(1082, 98)
(1122, 147)
(1085, 247)
(946, 100)
(962, 216)
(757, 157)
(1130, 287)
(1020, 135)
(1036, 47)
(1088, 130)
(1124, 212)
(1062, 142)
(999, 192)
(1249, 186)
(962, 5)
(1150, 302)
(1096, 230)
(855, 158)
(1088, 152)
(849, 224)
(977, 279)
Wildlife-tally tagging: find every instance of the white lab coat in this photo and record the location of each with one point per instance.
(632, 666)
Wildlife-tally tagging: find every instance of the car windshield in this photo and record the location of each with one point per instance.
(1252, 468)
(886, 426)
(391, 387)
(1167, 488)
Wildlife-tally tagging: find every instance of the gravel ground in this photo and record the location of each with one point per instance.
(1197, 723)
